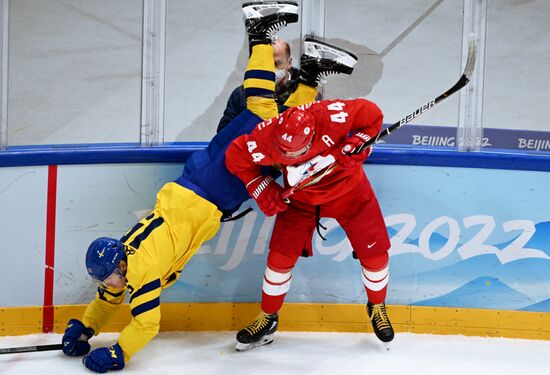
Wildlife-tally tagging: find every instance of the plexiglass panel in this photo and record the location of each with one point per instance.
(74, 71)
(206, 56)
(75, 65)
(517, 77)
(409, 53)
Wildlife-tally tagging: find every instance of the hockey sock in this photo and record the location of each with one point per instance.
(259, 82)
(303, 94)
(375, 275)
(277, 280)
(275, 286)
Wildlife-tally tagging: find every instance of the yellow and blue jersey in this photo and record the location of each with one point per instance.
(205, 171)
(157, 248)
(206, 174)
(187, 213)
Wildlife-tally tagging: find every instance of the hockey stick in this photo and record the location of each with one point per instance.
(309, 178)
(462, 81)
(26, 349)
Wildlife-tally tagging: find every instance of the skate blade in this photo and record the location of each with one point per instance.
(386, 346)
(259, 8)
(241, 347)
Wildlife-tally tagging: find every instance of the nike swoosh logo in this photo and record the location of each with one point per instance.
(371, 245)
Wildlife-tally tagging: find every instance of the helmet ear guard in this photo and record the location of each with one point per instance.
(294, 132)
(103, 256)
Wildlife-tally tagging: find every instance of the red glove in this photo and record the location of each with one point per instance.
(268, 194)
(346, 158)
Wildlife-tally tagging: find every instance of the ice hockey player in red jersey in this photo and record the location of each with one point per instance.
(304, 139)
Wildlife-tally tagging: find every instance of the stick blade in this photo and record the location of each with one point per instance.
(472, 54)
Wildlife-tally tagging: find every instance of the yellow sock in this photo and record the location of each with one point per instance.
(259, 82)
(303, 94)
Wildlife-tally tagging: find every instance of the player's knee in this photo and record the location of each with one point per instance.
(277, 276)
(375, 262)
(282, 262)
(372, 250)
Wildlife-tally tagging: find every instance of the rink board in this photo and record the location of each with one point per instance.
(311, 317)
(470, 251)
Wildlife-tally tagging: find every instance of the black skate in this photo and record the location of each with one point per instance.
(259, 333)
(380, 322)
(321, 59)
(263, 19)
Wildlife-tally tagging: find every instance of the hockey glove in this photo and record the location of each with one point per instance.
(268, 195)
(346, 158)
(105, 359)
(75, 339)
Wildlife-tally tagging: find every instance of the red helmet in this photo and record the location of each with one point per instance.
(294, 132)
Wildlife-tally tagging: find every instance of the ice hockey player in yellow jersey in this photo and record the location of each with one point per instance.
(151, 255)
(146, 260)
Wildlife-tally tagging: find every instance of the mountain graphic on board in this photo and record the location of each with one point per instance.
(540, 306)
(541, 238)
(488, 292)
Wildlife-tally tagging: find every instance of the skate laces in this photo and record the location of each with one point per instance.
(255, 26)
(259, 324)
(380, 316)
(319, 68)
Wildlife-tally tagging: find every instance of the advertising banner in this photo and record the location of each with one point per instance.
(460, 237)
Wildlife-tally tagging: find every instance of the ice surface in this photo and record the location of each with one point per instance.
(299, 353)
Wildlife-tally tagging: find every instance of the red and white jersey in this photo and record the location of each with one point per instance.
(334, 121)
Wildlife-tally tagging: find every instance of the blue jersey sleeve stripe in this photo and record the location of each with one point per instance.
(155, 284)
(261, 74)
(102, 292)
(144, 307)
(143, 235)
(132, 231)
(255, 91)
(113, 294)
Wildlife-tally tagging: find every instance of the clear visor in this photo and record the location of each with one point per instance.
(113, 277)
(295, 154)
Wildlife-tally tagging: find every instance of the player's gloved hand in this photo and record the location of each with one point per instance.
(268, 195)
(346, 158)
(75, 339)
(105, 359)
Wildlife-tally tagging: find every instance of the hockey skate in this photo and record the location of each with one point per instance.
(321, 59)
(263, 19)
(380, 322)
(259, 333)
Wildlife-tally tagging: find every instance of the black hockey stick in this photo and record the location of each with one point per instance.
(462, 81)
(26, 349)
(314, 175)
